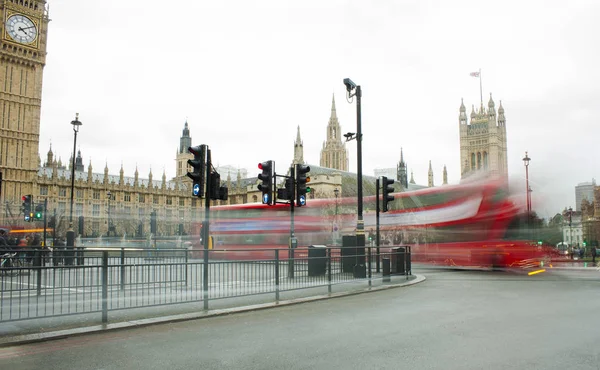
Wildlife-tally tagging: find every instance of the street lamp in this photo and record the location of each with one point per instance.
(76, 124)
(360, 225)
(109, 195)
(570, 229)
(71, 233)
(526, 160)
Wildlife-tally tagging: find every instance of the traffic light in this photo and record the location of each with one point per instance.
(27, 203)
(198, 164)
(301, 180)
(387, 191)
(215, 183)
(585, 242)
(286, 193)
(39, 212)
(217, 192)
(266, 176)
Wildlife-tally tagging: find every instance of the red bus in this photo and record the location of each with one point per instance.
(455, 225)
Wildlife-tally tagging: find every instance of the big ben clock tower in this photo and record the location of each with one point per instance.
(23, 35)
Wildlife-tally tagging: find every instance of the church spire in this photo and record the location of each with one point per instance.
(298, 149)
(401, 171)
(430, 176)
(445, 176)
(186, 140)
(333, 112)
(334, 153)
(50, 157)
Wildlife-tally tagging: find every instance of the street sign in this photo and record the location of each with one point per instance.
(266, 198)
(196, 190)
(302, 200)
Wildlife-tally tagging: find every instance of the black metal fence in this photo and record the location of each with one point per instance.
(37, 284)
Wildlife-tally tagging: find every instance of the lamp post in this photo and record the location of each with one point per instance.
(76, 124)
(109, 195)
(570, 223)
(71, 233)
(526, 160)
(360, 225)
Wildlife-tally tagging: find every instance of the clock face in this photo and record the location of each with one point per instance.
(21, 29)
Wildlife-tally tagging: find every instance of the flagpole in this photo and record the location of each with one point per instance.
(480, 87)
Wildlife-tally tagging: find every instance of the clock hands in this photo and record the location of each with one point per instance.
(26, 28)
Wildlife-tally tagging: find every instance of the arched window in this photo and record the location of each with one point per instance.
(472, 161)
(485, 160)
(254, 199)
(478, 160)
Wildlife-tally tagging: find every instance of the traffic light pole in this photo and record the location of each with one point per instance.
(293, 241)
(377, 223)
(205, 231)
(45, 223)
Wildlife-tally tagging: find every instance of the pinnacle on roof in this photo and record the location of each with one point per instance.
(491, 102)
(462, 105)
(333, 112)
(500, 108)
(298, 139)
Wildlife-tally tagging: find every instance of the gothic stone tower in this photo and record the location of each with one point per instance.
(182, 156)
(483, 144)
(401, 171)
(23, 35)
(334, 153)
(298, 149)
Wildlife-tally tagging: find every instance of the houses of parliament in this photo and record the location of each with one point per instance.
(105, 203)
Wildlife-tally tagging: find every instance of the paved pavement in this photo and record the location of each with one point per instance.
(454, 320)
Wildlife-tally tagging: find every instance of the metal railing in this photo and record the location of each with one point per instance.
(38, 284)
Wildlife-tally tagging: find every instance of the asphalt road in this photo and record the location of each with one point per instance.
(454, 320)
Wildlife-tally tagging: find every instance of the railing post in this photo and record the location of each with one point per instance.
(104, 287)
(185, 271)
(329, 270)
(277, 275)
(122, 268)
(370, 257)
(37, 262)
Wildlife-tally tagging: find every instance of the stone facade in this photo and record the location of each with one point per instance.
(22, 60)
(334, 153)
(483, 145)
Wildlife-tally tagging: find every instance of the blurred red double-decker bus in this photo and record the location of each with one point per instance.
(456, 225)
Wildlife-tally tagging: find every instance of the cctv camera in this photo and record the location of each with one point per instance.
(349, 84)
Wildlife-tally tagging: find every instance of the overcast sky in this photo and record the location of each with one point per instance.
(242, 72)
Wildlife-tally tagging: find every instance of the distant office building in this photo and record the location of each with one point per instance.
(584, 190)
